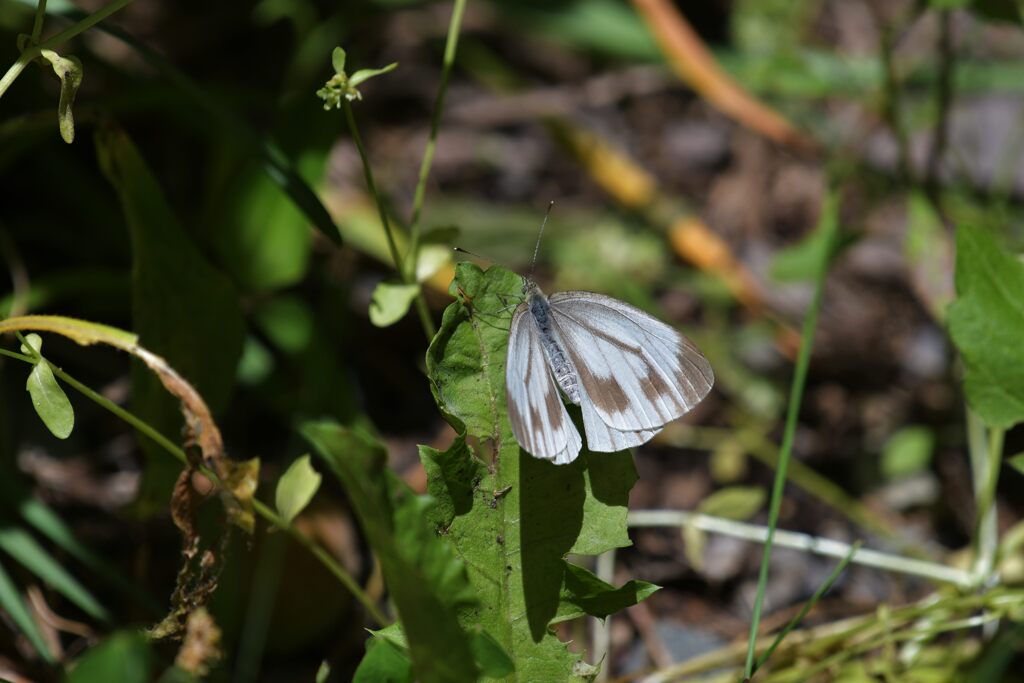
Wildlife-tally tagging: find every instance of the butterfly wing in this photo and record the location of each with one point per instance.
(539, 419)
(638, 373)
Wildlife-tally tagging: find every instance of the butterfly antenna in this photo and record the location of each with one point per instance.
(460, 250)
(536, 249)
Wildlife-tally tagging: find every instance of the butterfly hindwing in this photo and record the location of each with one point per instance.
(539, 419)
(638, 373)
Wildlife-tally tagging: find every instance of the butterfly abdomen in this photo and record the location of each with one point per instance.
(565, 373)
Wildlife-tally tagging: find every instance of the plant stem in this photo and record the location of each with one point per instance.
(985, 447)
(451, 44)
(325, 558)
(371, 186)
(816, 545)
(37, 24)
(830, 226)
(34, 51)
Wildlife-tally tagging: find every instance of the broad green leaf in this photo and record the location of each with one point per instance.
(803, 260)
(182, 308)
(18, 544)
(584, 593)
(69, 71)
(1017, 462)
(908, 451)
(49, 400)
(384, 662)
(263, 237)
(124, 657)
(425, 578)
(391, 302)
(14, 606)
(296, 488)
(734, 502)
(986, 323)
(513, 518)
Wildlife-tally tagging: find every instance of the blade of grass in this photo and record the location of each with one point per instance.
(818, 594)
(829, 222)
(20, 546)
(12, 603)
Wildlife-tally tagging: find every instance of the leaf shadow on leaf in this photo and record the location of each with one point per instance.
(551, 521)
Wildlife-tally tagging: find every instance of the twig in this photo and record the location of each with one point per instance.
(816, 545)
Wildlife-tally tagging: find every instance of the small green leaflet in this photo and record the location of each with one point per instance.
(391, 302)
(49, 400)
(296, 488)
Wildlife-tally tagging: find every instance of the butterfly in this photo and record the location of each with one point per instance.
(630, 373)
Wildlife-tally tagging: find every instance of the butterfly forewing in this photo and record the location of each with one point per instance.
(539, 419)
(637, 372)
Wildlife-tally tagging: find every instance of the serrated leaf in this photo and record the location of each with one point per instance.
(583, 593)
(338, 60)
(734, 502)
(296, 488)
(986, 323)
(366, 74)
(49, 400)
(391, 302)
(907, 452)
(384, 662)
(513, 518)
(488, 654)
(124, 657)
(69, 71)
(426, 580)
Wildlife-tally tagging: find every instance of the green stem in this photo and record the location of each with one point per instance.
(371, 186)
(985, 448)
(37, 24)
(451, 44)
(325, 558)
(796, 394)
(34, 51)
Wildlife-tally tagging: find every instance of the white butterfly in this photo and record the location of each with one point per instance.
(630, 373)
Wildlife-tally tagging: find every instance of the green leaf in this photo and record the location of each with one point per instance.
(296, 488)
(802, 261)
(425, 578)
(391, 302)
(488, 654)
(69, 71)
(15, 607)
(262, 236)
(384, 662)
(1017, 462)
(986, 323)
(182, 308)
(288, 322)
(366, 74)
(584, 593)
(907, 452)
(48, 399)
(17, 543)
(734, 502)
(338, 60)
(513, 518)
(124, 657)
(929, 252)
